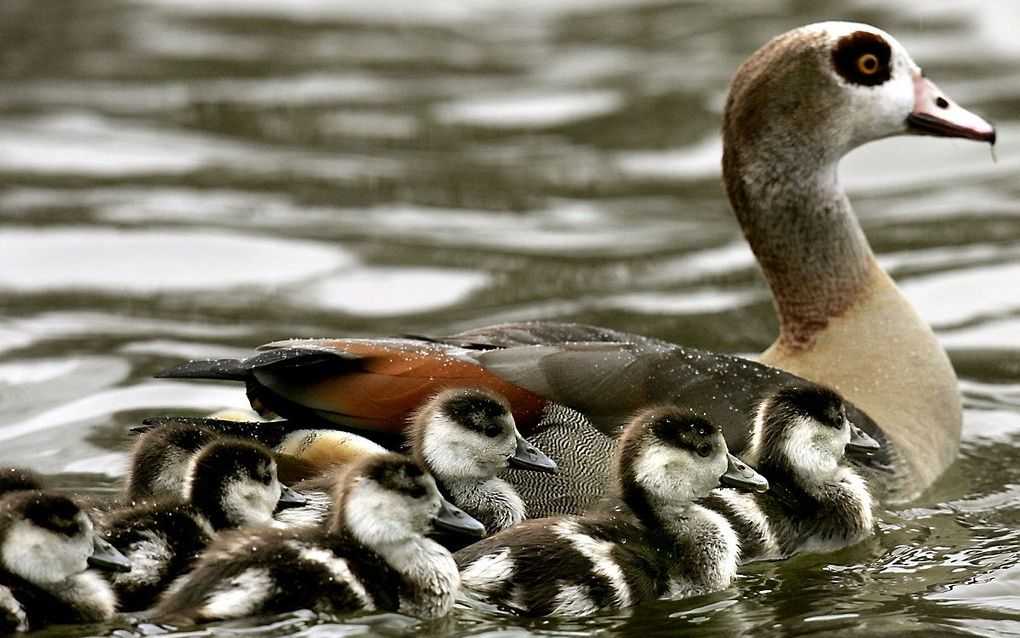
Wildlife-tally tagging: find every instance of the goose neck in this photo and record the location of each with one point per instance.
(799, 223)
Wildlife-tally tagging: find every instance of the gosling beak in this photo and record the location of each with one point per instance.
(936, 114)
(107, 557)
(861, 441)
(529, 457)
(741, 476)
(289, 498)
(455, 519)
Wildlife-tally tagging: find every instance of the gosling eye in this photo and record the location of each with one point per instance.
(492, 430)
(704, 449)
(416, 491)
(68, 527)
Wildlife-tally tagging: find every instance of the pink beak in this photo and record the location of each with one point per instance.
(936, 114)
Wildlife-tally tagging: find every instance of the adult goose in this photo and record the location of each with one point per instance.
(795, 108)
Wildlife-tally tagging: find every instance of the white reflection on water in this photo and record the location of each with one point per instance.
(61, 325)
(682, 303)
(90, 145)
(251, 114)
(988, 291)
(309, 89)
(565, 227)
(157, 261)
(988, 334)
(31, 440)
(31, 372)
(11, 339)
(442, 12)
(529, 110)
(696, 162)
(926, 163)
(391, 291)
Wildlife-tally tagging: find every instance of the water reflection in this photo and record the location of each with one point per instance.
(187, 179)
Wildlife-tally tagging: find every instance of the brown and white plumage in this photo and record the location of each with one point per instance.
(374, 555)
(817, 501)
(47, 544)
(651, 540)
(229, 483)
(795, 108)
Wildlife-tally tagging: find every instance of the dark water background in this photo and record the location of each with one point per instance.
(182, 178)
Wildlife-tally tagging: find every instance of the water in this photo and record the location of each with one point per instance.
(188, 179)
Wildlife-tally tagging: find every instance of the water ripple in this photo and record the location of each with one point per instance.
(155, 261)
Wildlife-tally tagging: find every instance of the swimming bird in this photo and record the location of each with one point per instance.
(374, 556)
(464, 437)
(230, 483)
(794, 109)
(651, 540)
(47, 544)
(816, 501)
(160, 461)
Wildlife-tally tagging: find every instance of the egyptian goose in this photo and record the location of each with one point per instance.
(795, 108)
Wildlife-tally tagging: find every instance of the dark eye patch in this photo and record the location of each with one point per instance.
(67, 527)
(55, 513)
(816, 402)
(683, 430)
(476, 412)
(863, 58)
(415, 490)
(402, 476)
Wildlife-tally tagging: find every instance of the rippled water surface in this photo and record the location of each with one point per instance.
(181, 178)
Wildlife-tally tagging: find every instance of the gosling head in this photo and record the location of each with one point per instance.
(46, 538)
(389, 499)
(234, 483)
(670, 457)
(803, 431)
(470, 434)
(160, 460)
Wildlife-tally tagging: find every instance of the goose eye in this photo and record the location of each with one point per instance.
(704, 449)
(493, 430)
(868, 64)
(863, 58)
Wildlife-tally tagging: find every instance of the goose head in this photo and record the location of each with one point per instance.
(803, 430)
(812, 94)
(670, 457)
(46, 538)
(235, 483)
(389, 499)
(470, 434)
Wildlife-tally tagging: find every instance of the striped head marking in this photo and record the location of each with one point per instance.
(234, 483)
(805, 430)
(45, 538)
(464, 433)
(672, 455)
(386, 498)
